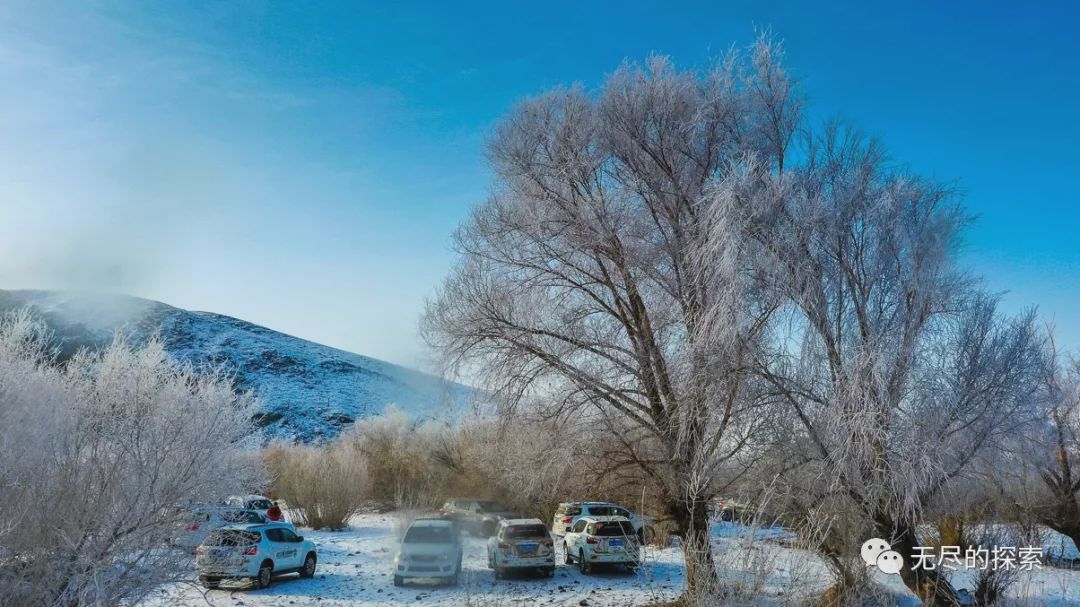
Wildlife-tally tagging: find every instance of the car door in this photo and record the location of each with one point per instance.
(574, 536)
(283, 552)
(297, 544)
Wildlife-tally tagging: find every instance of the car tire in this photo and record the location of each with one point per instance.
(309, 566)
(266, 572)
(566, 554)
(583, 563)
(399, 581)
(549, 571)
(500, 573)
(210, 582)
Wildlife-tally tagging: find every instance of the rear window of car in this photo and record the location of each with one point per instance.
(565, 510)
(615, 529)
(260, 504)
(232, 537)
(242, 516)
(429, 534)
(607, 511)
(518, 532)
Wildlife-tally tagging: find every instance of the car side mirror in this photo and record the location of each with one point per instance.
(299, 538)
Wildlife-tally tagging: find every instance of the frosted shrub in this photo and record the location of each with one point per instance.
(95, 459)
(322, 485)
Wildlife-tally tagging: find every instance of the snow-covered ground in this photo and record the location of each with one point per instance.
(355, 569)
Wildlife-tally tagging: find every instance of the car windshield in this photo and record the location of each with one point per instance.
(429, 534)
(260, 504)
(518, 532)
(490, 506)
(242, 516)
(231, 537)
(612, 529)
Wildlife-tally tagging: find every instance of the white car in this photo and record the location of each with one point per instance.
(201, 520)
(521, 543)
(255, 552)
(602, 539)
(568, 513)
(430, 548)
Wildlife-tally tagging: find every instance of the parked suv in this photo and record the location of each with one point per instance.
(602, 539)
(255, 552)
(568, 513)
(430, 548)
(521, 543)
(201, 520)
(477, 516)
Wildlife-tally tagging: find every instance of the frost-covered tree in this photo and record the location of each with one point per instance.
(580, 286)
(1053, 449)
(97, 456)
(895, 373)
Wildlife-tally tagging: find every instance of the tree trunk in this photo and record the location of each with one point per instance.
(691, 514)
(930, 586)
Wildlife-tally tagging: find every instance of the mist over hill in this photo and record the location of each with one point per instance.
(307, 391)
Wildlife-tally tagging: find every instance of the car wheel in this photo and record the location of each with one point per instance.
(549, 571)
(266, 571)
(566, 552)
(309, 566)
(210, 582)
(399, 581)
(584, 564)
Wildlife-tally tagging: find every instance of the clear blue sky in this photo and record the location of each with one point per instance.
(302, 165)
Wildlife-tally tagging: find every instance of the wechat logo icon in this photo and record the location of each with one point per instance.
(876, 552)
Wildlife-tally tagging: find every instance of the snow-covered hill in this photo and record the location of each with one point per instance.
(308, 392)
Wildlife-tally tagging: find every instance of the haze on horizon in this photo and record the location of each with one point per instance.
(304, 168)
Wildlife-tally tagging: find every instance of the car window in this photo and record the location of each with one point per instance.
(288, 536)
(242, 516)
(429, 534)
(231, 537)
(275, 535)
(573, 511)
(519, 532)
(490, 506)
(579, 526)
(612, 529)
(260, 504)
(620, 512)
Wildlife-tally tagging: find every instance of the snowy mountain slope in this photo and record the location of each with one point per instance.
(308, 392)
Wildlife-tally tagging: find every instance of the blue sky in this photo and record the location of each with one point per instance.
(303, 167)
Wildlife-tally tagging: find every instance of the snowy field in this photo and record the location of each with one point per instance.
(355, 569)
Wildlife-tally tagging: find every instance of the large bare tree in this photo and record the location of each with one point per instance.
(896, 372)
(581, 284)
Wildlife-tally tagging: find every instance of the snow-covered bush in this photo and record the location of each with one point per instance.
(97, 456)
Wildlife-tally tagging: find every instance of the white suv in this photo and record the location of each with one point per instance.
(568, 513)
(521, 543)
(255, 552)
(602, 539)
(431, 548)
